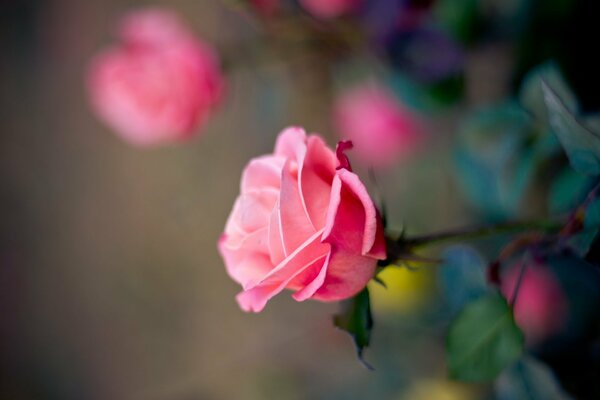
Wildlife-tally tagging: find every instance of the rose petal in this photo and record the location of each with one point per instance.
(347, 274)
(256, 299)
(295, 224)
(310, 253)
(378, 250)
(302, 257)
(262, 172)
(288, 142)
(309, 289)
(254, 209)
(315, 175)
(276, 248)
(246, 262)
(352, 220)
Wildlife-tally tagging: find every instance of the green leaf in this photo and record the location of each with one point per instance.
(483, 340)
(529, 379)
(355, 318)
(592, 215)
(531, 94)
(568, 190)
(495, 159)
(580, 141)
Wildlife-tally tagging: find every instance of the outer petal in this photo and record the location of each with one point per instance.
(312, 252)
(347, 274)
(244, 261)
(352, 219)
(302, 257)
(378, 250)
(255, 300)
(356, 238)
(314, 284)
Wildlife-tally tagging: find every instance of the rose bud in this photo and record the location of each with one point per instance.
(265, 8)
(382, 129)
(328, 9)
(541, 305)
(303, 221)
(158, 84)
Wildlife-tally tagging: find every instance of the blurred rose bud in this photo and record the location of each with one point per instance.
(265, 7)
(158, 84)
(303, 221)
(327, 9)
(381, 129)
(541, 306)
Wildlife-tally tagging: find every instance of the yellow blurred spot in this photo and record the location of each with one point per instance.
(406, 289)
(439, 389)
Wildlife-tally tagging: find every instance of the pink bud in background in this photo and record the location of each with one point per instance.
(382, 129)
(327, 9)
(158, 84)
(266, 8)
(541, 305)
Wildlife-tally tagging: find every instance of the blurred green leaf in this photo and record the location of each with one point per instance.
(592, 215)
(483, 340)
(462, 276)
(496, 160)
(568, 190)
(529, 379)
(355, 318)
(581, 143)
(531, 95)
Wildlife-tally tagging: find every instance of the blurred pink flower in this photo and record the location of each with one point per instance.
(265, 7)
(541, 305)
(326, 9)
(382, 129)
(303, 221)
(159, 84)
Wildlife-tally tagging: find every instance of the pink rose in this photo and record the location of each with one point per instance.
(382, 130)
(327, 9)
(541, 306)
(159, 84)
(303, 221)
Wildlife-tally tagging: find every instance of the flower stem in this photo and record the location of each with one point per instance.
(482, 231)
(525, 261)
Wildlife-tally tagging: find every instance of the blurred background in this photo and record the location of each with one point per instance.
(111, 286)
